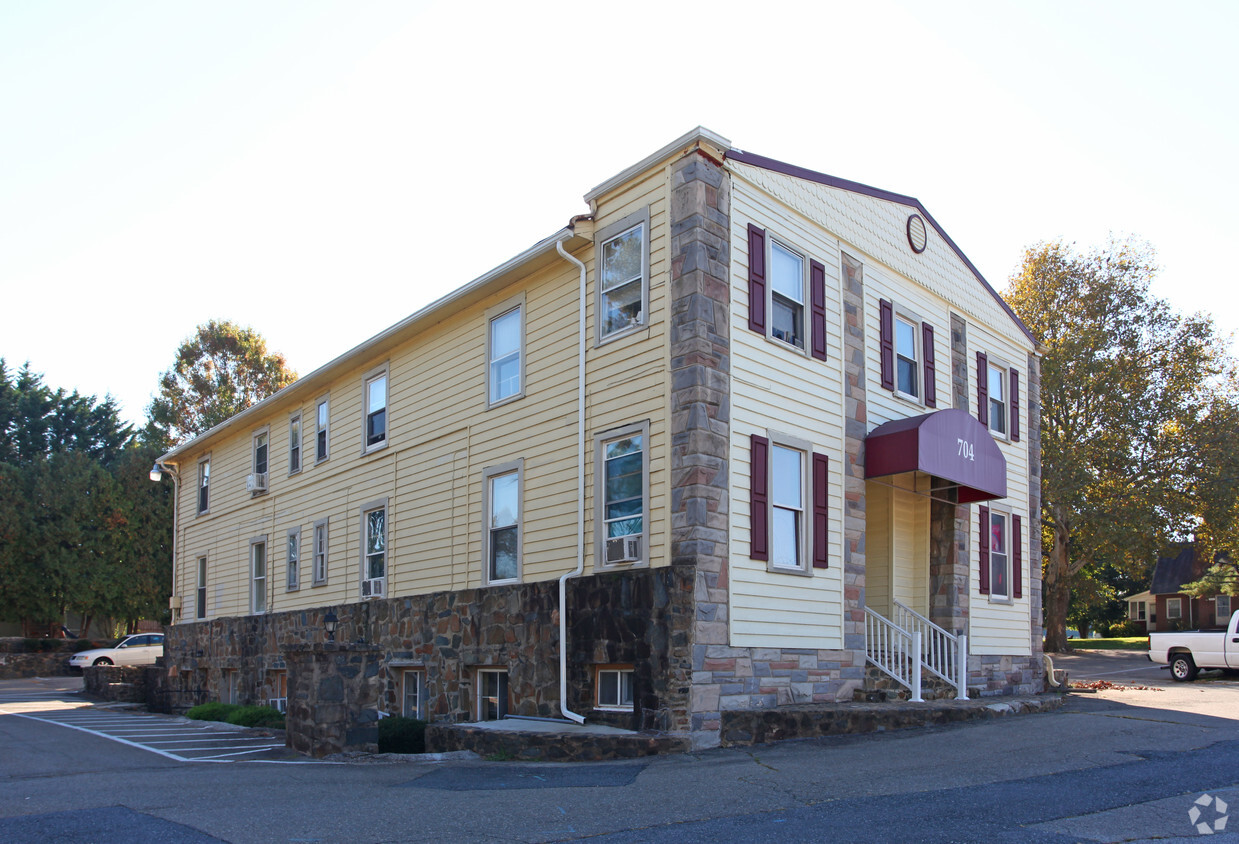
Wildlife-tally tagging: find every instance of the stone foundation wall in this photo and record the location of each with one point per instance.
(640, 618)
(1005, 675)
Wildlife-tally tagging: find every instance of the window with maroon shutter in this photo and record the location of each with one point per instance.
(821, 511)
(983, 551)
(817, 303)
(886, 328)
(927, 347)
(759, 511)
(983, 389)
(1015, 405)
(757, 279)
(1017, 558)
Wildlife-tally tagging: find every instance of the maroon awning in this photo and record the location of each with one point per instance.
(948, 444)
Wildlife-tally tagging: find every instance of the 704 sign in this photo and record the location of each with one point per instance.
(967, 450)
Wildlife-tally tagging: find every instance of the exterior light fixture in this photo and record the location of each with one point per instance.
(157, 473)
(329, 624)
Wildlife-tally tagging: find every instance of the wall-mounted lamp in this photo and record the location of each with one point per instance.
(329, 624)
(157, 472)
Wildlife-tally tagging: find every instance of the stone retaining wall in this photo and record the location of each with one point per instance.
(550, 746)
(127, 683)
(17, 660)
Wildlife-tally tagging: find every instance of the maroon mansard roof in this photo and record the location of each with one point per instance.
(876, 193)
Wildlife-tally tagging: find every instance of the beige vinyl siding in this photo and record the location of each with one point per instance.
(776, 387)
(909, 525)
(441, 438)
(878, 553)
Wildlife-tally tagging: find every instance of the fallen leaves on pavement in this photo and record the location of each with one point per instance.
(1104, 685)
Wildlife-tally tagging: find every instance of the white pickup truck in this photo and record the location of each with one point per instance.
(1188, 651)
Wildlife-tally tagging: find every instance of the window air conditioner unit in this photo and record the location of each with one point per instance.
(256, 482)
(623, 549)
(372, 588)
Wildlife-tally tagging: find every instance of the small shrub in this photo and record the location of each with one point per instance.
(1127, 628)
(214, 711)
(402, 735)
(256, 716)
(38, 646)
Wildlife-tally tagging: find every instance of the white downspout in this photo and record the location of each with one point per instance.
(175, 471)
(580, 504)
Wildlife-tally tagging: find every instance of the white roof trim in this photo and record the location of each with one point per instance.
(699, 134)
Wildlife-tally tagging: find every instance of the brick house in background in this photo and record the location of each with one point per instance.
(731, 437)
(1168, 607)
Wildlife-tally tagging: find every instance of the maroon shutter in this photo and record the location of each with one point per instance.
(931, 385)
(821, 510)
(983, 388)
(1017, 559)
(757, 279)
(817, 299)
(759, 511)
(983, 575)
(1015, 405)
(886, 326)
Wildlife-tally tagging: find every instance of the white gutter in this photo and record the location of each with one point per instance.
(580, 504)
(175, 471)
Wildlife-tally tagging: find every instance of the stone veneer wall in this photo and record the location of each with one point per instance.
(640, 617)
(19, 659)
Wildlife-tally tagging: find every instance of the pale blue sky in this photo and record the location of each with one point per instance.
(319, 170)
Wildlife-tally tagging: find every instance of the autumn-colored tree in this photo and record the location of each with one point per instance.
(1126, 388)
(218, 372)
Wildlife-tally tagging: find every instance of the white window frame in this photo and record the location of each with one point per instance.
(264, 434)
(204, 482)
(805, 550)
(200, 587)
(322, 429)
(374, 375)
(1137, 611)
(378, 505)
(1222, 615)
(489, 474)
(231, 691)
(994, 364)
(1007, 553)
(618, 705)
(805, 305)
(416, 676)
(601, 441)
(258, 582)
(1174, 609)
(514, 305)
(319, 554)
(295, 444)
(279, 683)
(292, 556)
(501, 696)
(902, 313)
(638, 220)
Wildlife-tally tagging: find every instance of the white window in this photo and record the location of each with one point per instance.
(259, 464)
(374, 549)
(492, 694)
(787, 295)
(505, 354)
(413, 693)
(502, 536)
(788, 535)
(375, 404)
(907, 368)
(294, 444)
(614, 685)
(204, 485)
(320, 552)
(1222, 609)
(322, 418)
(999, 556)
(293, 556)
(231, 692)
(997, 383)
(279, 691)
(622, 493)
(201, 597)
(623, 275)
(258, 575)
(1174, 608)
(1137, 611)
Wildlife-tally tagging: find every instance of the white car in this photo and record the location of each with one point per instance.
(139, 649)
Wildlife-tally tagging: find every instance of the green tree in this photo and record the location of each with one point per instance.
(218, 372)
(1126, 384)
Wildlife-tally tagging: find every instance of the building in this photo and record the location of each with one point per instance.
(734, 435)
(1165, 606)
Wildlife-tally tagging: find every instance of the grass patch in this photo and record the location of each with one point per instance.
(402, 735)
(1118, 643)
(242, 716)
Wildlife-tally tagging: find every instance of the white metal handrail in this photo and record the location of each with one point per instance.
(942, 652)
(892, 649)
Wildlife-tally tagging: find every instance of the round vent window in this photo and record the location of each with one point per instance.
(916, 233)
